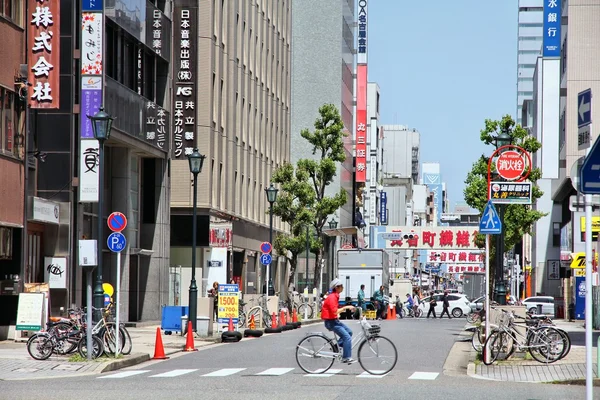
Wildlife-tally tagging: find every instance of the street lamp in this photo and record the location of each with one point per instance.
(101, 125)
(332, 225)
(271, 193)
(196, 161)
(502, 139)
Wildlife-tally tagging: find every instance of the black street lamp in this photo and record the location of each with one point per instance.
(196, 161)
(307, 253)
(271, 193)
(502, 139)
(332, 225)
(101, 126)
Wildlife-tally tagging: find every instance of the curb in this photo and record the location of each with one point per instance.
(126, 362)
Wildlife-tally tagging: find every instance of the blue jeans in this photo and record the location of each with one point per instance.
(344, 333)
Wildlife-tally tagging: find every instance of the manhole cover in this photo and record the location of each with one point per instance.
(67, 367)
(26, 370)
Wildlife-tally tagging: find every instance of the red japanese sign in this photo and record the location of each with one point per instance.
(429, 238)
(44, 53)
(510, 165)
(462, 257)
(220, 236)
(361, 123)
(472, 269)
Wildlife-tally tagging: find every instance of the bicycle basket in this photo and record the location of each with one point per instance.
(374, 330)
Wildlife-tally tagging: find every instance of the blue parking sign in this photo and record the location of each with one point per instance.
(116, 242)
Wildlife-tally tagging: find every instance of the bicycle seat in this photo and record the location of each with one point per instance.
(540, 316)
(55, 319)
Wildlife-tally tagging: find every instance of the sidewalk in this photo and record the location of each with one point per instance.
(17, 364)
(519, 369)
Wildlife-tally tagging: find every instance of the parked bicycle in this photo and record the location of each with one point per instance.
(323, 351)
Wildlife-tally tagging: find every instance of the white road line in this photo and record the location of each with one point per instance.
(428, 376)
(175, 372)
(275, 371)
(225, 372)
(327, 374)
(368, 375)
(124, 374)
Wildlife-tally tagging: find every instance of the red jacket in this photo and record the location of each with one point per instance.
(330, 306)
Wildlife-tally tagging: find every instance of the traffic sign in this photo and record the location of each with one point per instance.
(265, 259)
(584, 119)
(590, 171)
(266, 247)
(490, 223)
(510, 165)
(116, 221)
(116, 242)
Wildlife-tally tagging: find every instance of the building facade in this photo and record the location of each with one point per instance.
(12, 159)
(241, 123)
(530, 33)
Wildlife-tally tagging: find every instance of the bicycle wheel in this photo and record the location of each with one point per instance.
(97, 346)
(472, 318)
(475, 342)
(487, 345)
(418, 313)
(266, 319)
(567, 341)
(546, 345)
(377, 355)
(502, 347)
(305, 308)
(127, 343)
(109, 338)
(242, 318)
(315, 354)
(40, 346)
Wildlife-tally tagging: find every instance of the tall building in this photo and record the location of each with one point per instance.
(401, 152)
(432, 178)
(240, 78)
(321, 73)
(374, 152)
(530, 32)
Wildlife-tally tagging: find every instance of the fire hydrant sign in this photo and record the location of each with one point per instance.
(228, 305)
(510, 165)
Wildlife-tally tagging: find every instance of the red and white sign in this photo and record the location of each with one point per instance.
(511, 165)
(361, 123)
(220, 235)
(429, 238)
(470, 269)
(456, 256)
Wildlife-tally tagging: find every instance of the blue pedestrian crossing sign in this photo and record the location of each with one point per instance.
(490, 224)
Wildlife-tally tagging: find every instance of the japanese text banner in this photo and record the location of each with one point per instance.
(427, 238)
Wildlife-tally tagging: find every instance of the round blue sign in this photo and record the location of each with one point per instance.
(116, 242)
(265, 259)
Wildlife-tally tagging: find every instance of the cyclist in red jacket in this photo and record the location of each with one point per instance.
(330, 314)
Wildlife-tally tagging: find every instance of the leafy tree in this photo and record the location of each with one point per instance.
(303, 201)
(518, 219)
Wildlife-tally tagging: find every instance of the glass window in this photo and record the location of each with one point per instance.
(8, 119)
(12, 9)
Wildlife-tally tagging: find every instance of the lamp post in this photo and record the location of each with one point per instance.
(271, 193)
(101, 125)
(196, 160)
(332, 225)
(501, 140)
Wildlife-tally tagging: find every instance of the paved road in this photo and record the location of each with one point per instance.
(265, 368)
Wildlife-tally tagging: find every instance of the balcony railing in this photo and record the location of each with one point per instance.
(137, 116)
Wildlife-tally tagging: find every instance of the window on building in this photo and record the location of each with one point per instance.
(8, 119)
(12, 10)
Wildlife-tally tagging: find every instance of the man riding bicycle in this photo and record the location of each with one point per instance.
(330, 314)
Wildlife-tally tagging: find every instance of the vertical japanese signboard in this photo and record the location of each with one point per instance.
(552, 22)
(43, 45)
(155, 126)
(157, 38)
(92, 86)
(361, 123)
(184, 102)
(362, 32)
(383, 215)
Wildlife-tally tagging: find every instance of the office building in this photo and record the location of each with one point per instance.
(241, 123)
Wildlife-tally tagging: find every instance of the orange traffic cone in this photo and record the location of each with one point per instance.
(294, 316)
(159, 350)
(252, 324)
(393, 312)
(189, 341)
(273, 321)
(281, 318)
(230, 327)
(389, 314)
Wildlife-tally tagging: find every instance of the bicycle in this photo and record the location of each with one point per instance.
(259, 311)
(405, 311)
(319, 346)
(298, 303)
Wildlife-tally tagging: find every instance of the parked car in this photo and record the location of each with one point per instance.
(477, 304)
(547, 303)
(459, 304)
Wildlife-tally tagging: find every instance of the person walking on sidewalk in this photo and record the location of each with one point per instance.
(432, 305)
(446, 305)
(214, 293)
(361, 298)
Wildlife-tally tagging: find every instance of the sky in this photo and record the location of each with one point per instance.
(443, 67)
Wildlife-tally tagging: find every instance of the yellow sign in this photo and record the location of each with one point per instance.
(579, 260)
(108, 289)
(595, 228)
(580, 272)
(228, 306)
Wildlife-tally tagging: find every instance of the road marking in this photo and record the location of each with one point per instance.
(225, 372)
(123, 374)
(175, 372)
(428, 376)
(327, 374)
(368, 375)
(275, 371)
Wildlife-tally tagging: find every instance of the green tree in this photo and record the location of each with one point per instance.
(303, 200)
(518, 218)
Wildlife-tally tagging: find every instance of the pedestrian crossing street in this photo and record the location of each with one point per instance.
(224, 372)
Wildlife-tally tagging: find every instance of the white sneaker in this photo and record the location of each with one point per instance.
(349, 360)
